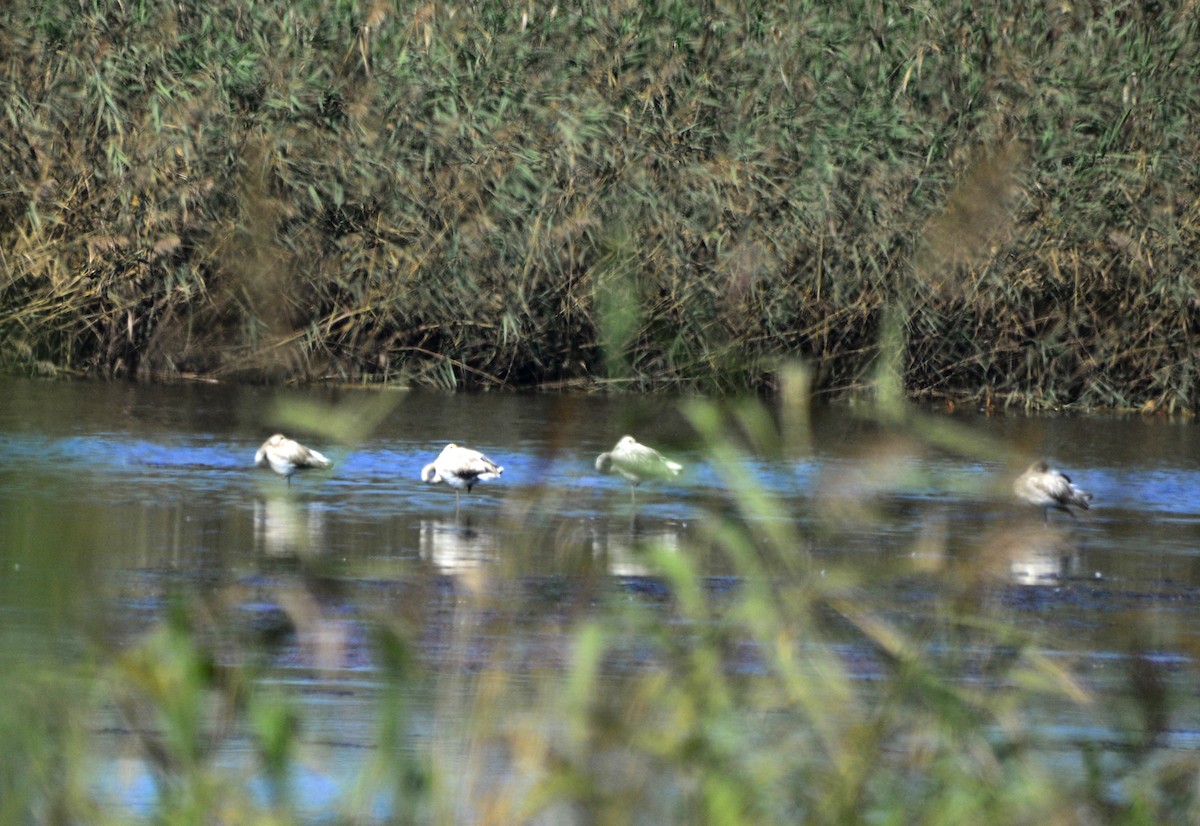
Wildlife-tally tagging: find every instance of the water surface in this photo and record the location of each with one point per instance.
(117, 498)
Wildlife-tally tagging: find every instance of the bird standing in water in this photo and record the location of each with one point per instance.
(286, 456)
(1047, 488)
(637, 463)
(460, 468)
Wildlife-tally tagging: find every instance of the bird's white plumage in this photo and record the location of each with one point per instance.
(460, 468)
(286, 456)
(637, 463)
(1046, 488)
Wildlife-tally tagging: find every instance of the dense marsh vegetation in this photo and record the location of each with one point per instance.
(666, 194)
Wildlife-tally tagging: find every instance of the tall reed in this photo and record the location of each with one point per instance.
(637, 195)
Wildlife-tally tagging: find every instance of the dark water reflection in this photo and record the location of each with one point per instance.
(142, 492)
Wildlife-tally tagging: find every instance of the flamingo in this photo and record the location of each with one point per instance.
(637, 463)
(286, 456)
(460, 468)
(1047, 488)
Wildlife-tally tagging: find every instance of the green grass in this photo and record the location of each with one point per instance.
(629, 195)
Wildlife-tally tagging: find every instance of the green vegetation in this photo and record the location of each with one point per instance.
(499, 194)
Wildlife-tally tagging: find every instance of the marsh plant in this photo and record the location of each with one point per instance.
(633, 194)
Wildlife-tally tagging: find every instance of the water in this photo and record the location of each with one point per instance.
(116, 498)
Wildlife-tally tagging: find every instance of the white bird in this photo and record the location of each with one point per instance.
(460, 467)
(637, 463)
(286, 456)
(1047, 488)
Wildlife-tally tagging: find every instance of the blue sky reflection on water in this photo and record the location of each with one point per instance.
(191, 448)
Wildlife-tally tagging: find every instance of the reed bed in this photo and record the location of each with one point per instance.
(611, 194)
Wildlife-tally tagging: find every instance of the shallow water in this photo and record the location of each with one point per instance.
(114, 498)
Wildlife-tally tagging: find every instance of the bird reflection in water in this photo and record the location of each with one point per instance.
(459, 550)
(287, 527)
(630, 552)
(1037, 557)
(1030, 555)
